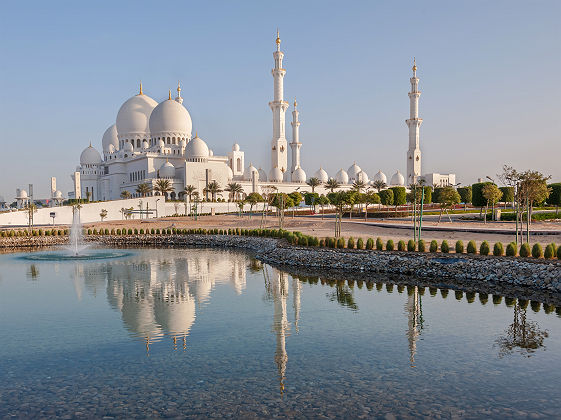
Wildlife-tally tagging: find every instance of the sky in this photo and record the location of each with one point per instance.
(489, 76)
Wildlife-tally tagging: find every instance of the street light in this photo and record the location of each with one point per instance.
(157, 207)
(490, 179)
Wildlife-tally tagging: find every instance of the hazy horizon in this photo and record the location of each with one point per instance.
(488, 76)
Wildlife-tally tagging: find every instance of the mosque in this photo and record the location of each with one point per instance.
(151, 141)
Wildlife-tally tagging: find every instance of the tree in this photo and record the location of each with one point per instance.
(213, 188)
(189, 190)
(386, 197)
(379, 185)
(554, 198)
(296, 198)
(332, 184)
(533, 190)
(465, 195)
(103, 214)
(163, 187)
(322, 201)
(125, 194)
(253, 199)
(370, 198)
(358, 185)
(447, 197)
(492, 195)
(399, 196)
(313, 182)
(508, 194)
(311, 198)
(143, 189)
(234, 189)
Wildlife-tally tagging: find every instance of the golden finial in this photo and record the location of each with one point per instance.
(196, 135)
(295, 103)
(140, 93)
(414, 64)
(169, 95)
(90, 143)
(278, 41)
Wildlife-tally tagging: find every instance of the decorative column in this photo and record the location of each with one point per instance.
(295, 144)
(278, 106)
(414, 124)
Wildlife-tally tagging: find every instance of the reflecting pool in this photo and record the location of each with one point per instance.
(213, 333)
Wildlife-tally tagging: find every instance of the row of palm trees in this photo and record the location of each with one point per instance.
(332, 184)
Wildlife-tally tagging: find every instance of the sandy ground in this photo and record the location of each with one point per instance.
(356, 228)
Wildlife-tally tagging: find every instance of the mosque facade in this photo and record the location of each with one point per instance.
(151, 141)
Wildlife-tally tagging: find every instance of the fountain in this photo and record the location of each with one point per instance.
(76, 245)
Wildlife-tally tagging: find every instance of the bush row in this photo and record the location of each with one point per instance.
(34, 232)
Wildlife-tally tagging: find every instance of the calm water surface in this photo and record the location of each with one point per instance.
(207, 333)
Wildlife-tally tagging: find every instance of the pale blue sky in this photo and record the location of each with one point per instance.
(489, 75)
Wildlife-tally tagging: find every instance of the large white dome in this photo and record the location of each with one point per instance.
(299, 175)
(380, 176)
(341, 177)
(397, 179)
(167, 170)
(362, 176)
(110, 138)
(275, 175)
(249, 171)
(322, 175)
(353, 172)
(196, 149)
(170, 117)
(90, 156)
(134, 116)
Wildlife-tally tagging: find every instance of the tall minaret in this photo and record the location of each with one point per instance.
(414, 124)
(279, 106)
(295, 144)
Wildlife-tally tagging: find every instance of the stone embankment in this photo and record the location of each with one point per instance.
(518, 273)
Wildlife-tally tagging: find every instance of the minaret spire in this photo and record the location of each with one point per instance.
(278, 106)
(179, 98)
(295, 144)
(414, 124)
(140, 93)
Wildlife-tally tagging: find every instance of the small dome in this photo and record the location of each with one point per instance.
(210, 152)
(322, 175)
(133, 116)
(58, 194)
(90, 156)
(248, 173)
(110, 139)
(111, 149)
(353, 172)
(380, 176)
(397, 179)
(236, 147)
(262, 175)
(230, 173)
(170, 117)
(197, 149)
(22, 195)
(362, 176)
(128, 148)
(299, 175)
(341, 177)
(275, 175)
(167, 170)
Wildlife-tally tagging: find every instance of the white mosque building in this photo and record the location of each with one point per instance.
(151, 141)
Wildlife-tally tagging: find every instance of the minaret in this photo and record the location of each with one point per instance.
(179, 98)
(295, 144)
(414, 123)
(414, 322)
(279, 106)
(280, 323)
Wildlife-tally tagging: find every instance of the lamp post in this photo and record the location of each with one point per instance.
(157, 207)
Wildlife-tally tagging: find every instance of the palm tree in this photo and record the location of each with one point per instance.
(332, 184)
(313, 182)
(163, 186)
(189, 190)
(379, 185)
(143, 189)
(234, 189)
(125, 194)
(213, 188)
(358, 185)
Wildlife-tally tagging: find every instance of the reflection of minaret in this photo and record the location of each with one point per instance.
(280, 322)
(414, 322)
(296, 287)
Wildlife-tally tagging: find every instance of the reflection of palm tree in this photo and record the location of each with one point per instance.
(343, 295)
(522, 335)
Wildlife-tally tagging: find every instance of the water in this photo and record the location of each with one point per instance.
(199, 333)
(76, 244)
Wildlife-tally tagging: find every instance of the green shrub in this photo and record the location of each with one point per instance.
(444, 247)
(315, 241)
(525, 250)
(370, 244)
(511, 250)
(142, 231)
(47, 233)
(303, 241)
(340, 243)
(157, 231)
(118, 231)
(498, 249)
(89, 232)
(389, 245)
(130, 231)
(351, 243)
(379, 244)
(107, 231)
(549, 252)
(360, 244)
(290, 238)
(433, 246)
(537, 251)
(484, 249)
(421, 246)
(40, 232)
(411, 245)
(94, 231)
(401, 246)
(322, 243)
(559, 253)
(332, 242)
(535, 305)
(459, 247)
(471, 248)
(112, 231)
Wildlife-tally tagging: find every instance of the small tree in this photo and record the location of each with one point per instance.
(253, 199)
(143, 189)
(103, 214)
(508, 195)
(379, 185)
(332, 184)
(370, 198)
(125, 194)
(313, 182)
(399, 196)
(554, 198)
(465, 195)
(447, 197)
(322, 201)
(386, 197)
(492, 195)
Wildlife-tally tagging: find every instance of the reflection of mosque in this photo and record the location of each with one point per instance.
(414, 311)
